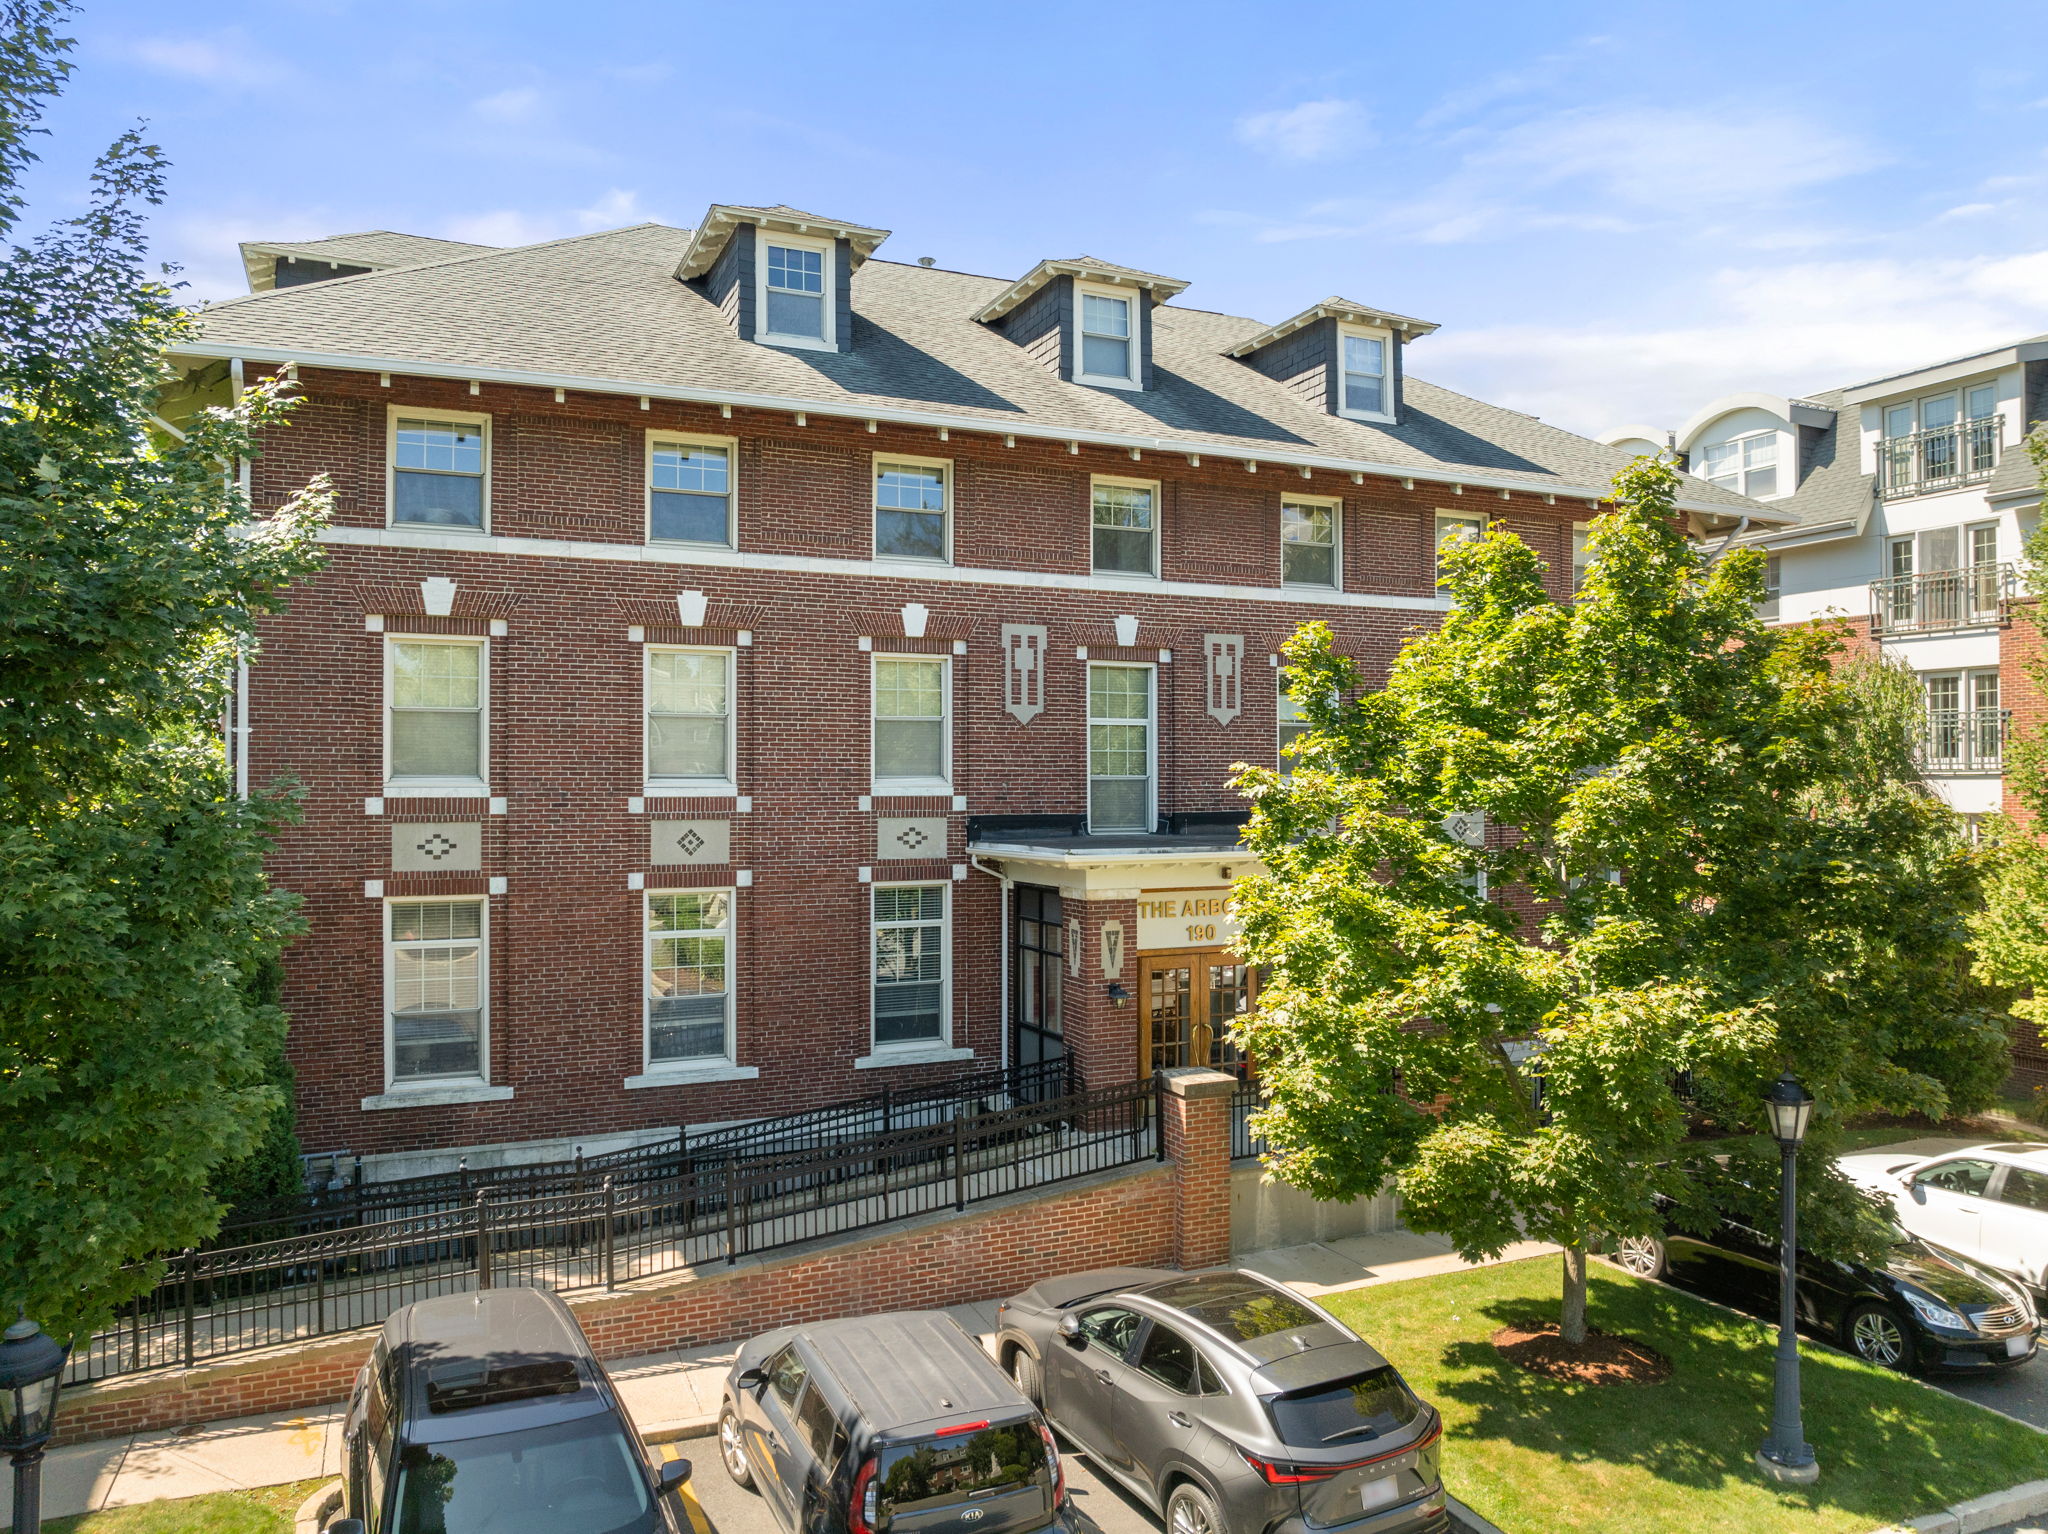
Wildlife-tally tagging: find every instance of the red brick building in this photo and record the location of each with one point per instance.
(748, 674)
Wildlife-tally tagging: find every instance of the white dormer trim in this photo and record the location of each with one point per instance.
(828, 297)
(1134, 301)
(1388, 342)
(721, 219)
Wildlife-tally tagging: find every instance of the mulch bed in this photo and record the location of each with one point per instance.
(1602, 1359)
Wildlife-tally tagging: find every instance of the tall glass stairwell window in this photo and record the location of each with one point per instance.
(1121, 794)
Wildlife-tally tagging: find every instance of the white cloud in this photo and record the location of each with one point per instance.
(1794, 329)
(1314, 130)
(225, 58)
(523, 226)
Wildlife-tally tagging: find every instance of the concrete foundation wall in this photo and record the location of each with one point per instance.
(1265, 1213)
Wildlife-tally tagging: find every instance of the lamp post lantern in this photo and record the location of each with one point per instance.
(1786, 1455)
(30, 1365)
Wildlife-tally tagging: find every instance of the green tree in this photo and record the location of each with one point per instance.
(2011, 932)
(1710, 859)
(134, 916)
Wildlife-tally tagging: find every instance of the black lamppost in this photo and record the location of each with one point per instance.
(1786, 1455)
(30, 1365)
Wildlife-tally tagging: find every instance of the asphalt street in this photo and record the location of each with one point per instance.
(2021, 1392)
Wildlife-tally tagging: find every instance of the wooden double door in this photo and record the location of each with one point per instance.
(1187, 1003)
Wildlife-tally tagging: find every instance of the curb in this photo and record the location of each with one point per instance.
(1468, 1520)
(679, 1428)
(314, 1512)
(1981, 1513)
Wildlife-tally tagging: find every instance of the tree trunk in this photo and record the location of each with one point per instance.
(1572, 1319)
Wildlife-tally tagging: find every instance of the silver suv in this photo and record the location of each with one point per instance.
(1228, 1404)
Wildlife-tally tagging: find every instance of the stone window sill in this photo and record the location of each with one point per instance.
(922, 1054)
(689, 1076)
(437, 1097)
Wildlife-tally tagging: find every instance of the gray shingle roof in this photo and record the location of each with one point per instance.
(2014, 477)
(1832, 486)
(373, 247)
(608, 309)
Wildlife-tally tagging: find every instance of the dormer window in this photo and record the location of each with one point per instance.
(1747, 465)
(1365, 375)
(1105, 339)
(795, 282)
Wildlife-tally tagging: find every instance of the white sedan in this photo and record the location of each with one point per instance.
(1988, 1202)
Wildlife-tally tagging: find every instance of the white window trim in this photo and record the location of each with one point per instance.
(1370, 333)
(912, 787)
(1133, 299)
(945, 468)
(392, 413)
(1158, 518)
(1911, 543)
(1582, 533)
(732, 487)
(478, 787)
(1436, 523)
(763, 238)
(914, 1051)
(726, 786)
(668, 1073)
(1336, 505)
(1742, 469)
(440, 1086)
(1089, 721)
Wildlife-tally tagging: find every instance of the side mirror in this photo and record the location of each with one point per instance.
(1070, 1331)
(670, 1475)
(750, 1379)
(346, 1526)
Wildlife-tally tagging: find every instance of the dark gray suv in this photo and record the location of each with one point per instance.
(1227, 1403)
(895, 1424)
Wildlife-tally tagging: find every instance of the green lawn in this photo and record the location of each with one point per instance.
(1539, 1457)
(267, 1510)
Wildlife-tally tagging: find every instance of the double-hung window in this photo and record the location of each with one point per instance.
(434, 969)
(1292, 725)
(1452, 528)
(795, 291)
(1747, 465)
(1109, 344)
(911, 520)
(913, 749)
(689, 979)
(689, 720)
(1362, 382)
(439, 470)
(1582, 554)
(911, 973)
(689, 491)
(434, 734)
(1308, 543)
(1120, 749)
(1126, 522)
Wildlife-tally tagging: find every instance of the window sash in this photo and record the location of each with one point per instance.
(1455, 527)
(1106, 336)
(793, 290)
(1308, 544)
(434, 711)
(689, 715)
(1126, 529)
(1364, 367)
(912, 713)
(436, 979)
(437, 472)
(688, 977)
(910, 974)
(689, 492)
(1121, 769)
(911, 510)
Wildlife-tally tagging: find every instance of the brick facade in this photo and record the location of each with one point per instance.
(566, 592)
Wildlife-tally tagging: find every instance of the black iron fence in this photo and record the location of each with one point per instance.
(1244, 1102)
(348, 1201)
(612, 1229)
(1974, 597)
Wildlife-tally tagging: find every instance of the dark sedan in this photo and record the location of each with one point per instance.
(1925, 1310)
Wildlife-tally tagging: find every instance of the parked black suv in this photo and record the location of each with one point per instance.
(895, 1424)
(488, 1414)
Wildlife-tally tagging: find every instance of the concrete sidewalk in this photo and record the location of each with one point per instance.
(671, 1395)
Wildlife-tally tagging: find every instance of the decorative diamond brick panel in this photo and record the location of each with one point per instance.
(689, 841)
(913, 836)
(437, 846)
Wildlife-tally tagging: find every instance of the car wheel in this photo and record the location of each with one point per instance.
(1640, 1255)
(1030, 1382)
(1191, 1510)
(1877, 1334)
(732, 1450)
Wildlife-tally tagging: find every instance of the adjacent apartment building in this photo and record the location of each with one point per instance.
(1904, 501)
(749, 673)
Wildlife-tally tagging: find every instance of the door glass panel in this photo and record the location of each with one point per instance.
(1939, 411)
(1169, 1358)
(1168, 1005)
(1956, 1176)
(2027, 1189)
(1981, 401)
(1111, 1328)
(1939, 550)
(1898, 421)
(1229, 997)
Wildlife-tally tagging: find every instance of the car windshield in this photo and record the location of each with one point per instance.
(956, 1467)
(1350, 1410)
(576, 1477)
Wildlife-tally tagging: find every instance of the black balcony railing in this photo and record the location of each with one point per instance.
(1942, 599)
(1964, 739)
(1939, 458)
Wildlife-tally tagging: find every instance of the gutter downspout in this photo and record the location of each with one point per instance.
(1714, 557)
(1002, 957)
(238, 745)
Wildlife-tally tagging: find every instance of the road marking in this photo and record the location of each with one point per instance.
(698, 1522)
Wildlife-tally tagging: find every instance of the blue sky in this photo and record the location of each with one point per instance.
(1615, 212)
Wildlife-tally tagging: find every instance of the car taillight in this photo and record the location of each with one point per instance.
(1283, 1473)
(960, 1427)
(860, 1515)
(1059, 1471)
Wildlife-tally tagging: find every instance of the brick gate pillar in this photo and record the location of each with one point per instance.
(1194, 1128)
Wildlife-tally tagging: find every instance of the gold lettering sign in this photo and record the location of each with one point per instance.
(1186, 919)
